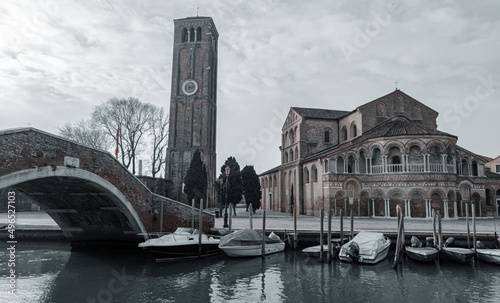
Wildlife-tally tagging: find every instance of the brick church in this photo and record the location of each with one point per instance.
(384, 153)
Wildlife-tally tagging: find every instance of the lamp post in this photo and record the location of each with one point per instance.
(228, 171)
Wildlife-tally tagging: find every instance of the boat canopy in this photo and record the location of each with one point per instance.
(245, 237)
(369, 242)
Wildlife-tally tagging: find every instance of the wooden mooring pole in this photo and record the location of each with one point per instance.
(321, 215)
(295, 240)
(230, 219)
(192, 214)
(440, 233)
(330, 252)
(467, 222)
(200, 227)
(352, 224)
(341, 228)
(264, 234)
(434, 237)
(473, 205)
(398, 241)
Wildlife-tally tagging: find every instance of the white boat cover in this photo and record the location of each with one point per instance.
(246, 237)
(369, 242)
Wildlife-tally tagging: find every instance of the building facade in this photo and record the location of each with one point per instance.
(385, 153)
(193, 103)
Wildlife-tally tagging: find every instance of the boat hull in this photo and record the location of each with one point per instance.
(314, 251)
(253, 250)
(489, 255)
(457, 254)
(422, 254)
(184, 251)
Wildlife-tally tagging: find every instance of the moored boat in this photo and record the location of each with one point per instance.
(314, 251)
(182, 243)
(491, 255)
(248, 243)
(457, 254)
(366, 247)
(421, 254)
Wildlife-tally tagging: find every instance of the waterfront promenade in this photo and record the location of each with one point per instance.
(284, 222)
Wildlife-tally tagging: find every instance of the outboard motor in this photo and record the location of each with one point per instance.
(352, 252)
(415, 242)
(449, 242)
(480, 244)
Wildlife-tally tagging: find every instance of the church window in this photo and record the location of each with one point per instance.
(296, 152)
(475, 169)
(354, 130)
(185, 35)
(381, 110)
(198, 34)
(344, 133)
(191, 35)
(315, 174)
(306, 175)
(292, 137)
(286, 157)
(417, 112)
(291, 155)
(327, 136)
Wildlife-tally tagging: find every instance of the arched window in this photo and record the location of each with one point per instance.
(291, 155)
(191, 34)
(475, 171)
(354, 130)
(306, 175)
(314, 174)
(292, 137)
(498, 192)
(344, 133)
(198, 34)
(297, 153)
(327, 136)
(184, 35)
(286, 157)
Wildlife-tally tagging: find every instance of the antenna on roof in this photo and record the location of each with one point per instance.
(396, 85)
(197, 10)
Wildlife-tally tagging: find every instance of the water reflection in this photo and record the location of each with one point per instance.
(51, 273)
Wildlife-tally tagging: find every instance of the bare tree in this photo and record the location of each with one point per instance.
(132, 117)
(159, 134)
(86, 132)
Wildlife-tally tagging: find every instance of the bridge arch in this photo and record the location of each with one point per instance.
(87, 208)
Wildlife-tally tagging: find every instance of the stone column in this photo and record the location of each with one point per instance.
(425, 163)
(384, 164)
(445, 169)
(428, 209)
(455, 210)
(345, 207)
(327, 166)
(370, 165)
(445, 208)
(470, 168)
(345, 165)
(409, 208)
(335, 165)
(387, 209)
(356, 165)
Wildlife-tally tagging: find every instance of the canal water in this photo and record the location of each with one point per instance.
(50, 272)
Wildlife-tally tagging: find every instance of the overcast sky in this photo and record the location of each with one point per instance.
(59, 59)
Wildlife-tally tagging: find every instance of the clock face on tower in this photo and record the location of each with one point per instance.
(189, 87)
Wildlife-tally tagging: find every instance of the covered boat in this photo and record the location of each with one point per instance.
(366, 247)
(182, 243)
(248, 243)
(421, 254)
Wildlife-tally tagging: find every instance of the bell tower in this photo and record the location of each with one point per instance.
(193, 103)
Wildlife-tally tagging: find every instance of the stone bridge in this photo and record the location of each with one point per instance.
(94, 199)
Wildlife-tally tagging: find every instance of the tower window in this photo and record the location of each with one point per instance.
(198, 34)
(191, 35)
(327, 136)
(184, 35)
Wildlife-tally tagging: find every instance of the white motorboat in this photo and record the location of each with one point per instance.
(248, 243)
(491, 255)
(366, 247)
(182, 243)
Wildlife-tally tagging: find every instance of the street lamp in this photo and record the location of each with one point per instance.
(228, 171)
